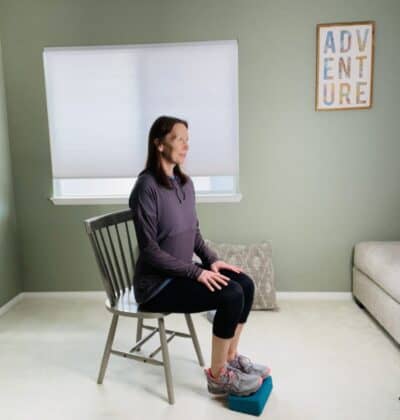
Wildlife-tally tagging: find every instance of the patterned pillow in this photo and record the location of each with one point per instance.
(256, 262)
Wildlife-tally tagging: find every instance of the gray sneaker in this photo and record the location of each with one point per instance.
(244, 364)
(232, 381)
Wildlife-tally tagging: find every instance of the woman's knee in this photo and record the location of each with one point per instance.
(247, 284)
(232, 294)
(245, 281)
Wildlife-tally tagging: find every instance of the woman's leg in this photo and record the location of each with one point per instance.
(233, 345)
(219, 354)
(190, 296)
(230, 306)
(247, 285)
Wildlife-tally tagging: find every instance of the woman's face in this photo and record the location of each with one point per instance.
(176, 144)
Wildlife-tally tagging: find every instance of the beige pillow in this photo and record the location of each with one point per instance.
(256, 262)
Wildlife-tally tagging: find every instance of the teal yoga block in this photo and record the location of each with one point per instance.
(254, 403)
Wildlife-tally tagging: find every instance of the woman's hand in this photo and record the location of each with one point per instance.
(211, 279)
(219, 264)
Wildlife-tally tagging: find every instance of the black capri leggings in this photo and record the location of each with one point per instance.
(183, 295)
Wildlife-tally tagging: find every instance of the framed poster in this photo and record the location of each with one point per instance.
(345, 65)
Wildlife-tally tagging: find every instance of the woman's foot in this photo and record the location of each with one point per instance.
(245, 365)
(232, 381)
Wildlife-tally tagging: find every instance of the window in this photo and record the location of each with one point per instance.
(102, 100)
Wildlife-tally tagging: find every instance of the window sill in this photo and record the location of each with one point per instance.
(93, 200)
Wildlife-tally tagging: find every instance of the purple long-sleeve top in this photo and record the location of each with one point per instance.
(167, 232)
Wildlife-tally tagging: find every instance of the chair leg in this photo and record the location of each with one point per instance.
(166, 362)
(107, 350)
(139, 331)
(194, 339)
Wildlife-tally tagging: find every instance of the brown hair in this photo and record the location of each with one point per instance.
(159, 129)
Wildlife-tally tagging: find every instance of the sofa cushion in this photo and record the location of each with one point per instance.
(380, 261)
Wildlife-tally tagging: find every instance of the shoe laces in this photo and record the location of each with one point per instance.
(242, 362)
(228, 374)
(246, 360)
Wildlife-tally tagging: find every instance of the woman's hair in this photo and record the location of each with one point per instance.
(160, 128)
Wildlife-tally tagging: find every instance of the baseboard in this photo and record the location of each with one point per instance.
(314, 295)
(57, 295)
(7, 306)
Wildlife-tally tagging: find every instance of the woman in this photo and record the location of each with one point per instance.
(166, 279)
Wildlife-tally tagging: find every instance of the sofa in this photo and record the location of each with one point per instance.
(376, 282)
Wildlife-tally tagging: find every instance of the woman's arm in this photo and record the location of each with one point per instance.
(144, 206)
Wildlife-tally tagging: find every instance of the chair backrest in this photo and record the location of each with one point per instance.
(111, 238)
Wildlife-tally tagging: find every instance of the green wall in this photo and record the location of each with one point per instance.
(314, 183)
(9, 270)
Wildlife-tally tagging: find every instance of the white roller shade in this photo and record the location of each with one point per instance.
(102, 101)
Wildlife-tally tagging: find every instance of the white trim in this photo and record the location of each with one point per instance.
(61, 295)
(7, 306)
(314, 295)
(95, 200)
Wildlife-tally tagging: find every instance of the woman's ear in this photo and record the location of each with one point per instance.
(159, 145)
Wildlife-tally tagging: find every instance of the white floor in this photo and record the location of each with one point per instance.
(329, 360)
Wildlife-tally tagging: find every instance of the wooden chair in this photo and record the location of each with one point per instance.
(111, 238)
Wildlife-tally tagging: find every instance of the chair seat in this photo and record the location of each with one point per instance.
(127, 305)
